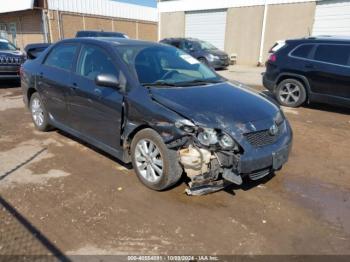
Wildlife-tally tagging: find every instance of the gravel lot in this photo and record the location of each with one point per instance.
(58, 195)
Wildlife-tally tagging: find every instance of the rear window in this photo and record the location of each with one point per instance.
(302, 51)
(335, 54)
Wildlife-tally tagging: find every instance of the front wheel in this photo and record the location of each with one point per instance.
(291, 93)
(156, 166)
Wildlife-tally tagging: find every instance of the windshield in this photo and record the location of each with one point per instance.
(166, 66)
(206, 45)
(7, 46)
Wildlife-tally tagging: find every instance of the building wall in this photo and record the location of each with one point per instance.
(28, 26)
(70, 23)
(243, 33)
(288, 21)
(172, 24)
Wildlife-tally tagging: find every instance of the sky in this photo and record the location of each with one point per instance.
(152, 3)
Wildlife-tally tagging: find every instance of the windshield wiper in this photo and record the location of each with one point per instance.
(200, 82)
(159, 83)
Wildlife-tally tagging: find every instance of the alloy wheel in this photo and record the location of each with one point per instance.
(149, 160)
(289, 93)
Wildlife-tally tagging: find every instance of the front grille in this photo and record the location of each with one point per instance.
(262, 138)
(10, 60)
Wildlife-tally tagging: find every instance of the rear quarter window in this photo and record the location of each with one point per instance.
(302, 51)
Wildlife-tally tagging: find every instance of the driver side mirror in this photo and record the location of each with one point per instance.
(107, 80)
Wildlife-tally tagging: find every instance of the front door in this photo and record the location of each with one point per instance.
(95, 111)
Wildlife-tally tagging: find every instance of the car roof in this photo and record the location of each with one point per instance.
(4, 40)
(111, 41)
(322, 39)
(180, 38)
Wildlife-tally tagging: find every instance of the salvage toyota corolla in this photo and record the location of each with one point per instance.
(159, 108)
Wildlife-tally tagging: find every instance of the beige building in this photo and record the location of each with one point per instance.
(32, 21)
(249, 28)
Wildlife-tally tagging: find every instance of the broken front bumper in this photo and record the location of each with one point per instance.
(212, 171)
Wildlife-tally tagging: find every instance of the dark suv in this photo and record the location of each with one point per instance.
(315, 69)
(202, 50)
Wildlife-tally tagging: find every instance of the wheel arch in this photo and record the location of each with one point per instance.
(298, 77)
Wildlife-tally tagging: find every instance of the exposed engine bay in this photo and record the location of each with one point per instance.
(208, 157)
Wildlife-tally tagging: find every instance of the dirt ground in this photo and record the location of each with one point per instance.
(58, 195)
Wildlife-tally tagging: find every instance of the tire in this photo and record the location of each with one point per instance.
(291, 93)
(39, 114)
(171, 169)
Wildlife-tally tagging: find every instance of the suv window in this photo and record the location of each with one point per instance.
(62, 56)
(93, 60)
(302, 51)
(335, 54)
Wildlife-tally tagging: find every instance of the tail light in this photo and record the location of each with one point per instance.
(272, 58)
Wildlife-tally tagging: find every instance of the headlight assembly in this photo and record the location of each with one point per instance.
(207, 137)
(226, 141)
(185, 125)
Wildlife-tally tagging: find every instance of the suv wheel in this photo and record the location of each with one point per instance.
(39, 113)
(291, 93)
(155, 165)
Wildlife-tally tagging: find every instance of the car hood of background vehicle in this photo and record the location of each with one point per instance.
(217, 105)
(10, 53)
(217, 52)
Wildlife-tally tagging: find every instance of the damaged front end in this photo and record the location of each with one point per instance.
(209, 158)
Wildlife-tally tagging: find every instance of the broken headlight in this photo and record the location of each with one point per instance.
(226, 141)
(208, 137)
(185, 125)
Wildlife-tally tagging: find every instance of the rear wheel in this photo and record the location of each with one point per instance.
(155, 165)
(291, 93)
(39, 113)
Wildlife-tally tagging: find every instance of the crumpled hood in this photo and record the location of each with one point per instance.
(222, 105)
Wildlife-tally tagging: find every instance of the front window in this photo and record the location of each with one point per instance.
(203, 45)
(7, 46)
(166, 66)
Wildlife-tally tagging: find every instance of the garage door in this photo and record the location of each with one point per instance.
(207, 25)
(332, 18)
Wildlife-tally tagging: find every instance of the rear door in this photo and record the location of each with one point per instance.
(54, 79)
(95, 111)
(330, 70)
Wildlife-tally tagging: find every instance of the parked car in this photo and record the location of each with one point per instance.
(100, 34)
(10, 60)
(159, 108)
(314, 69)
(204, 51)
